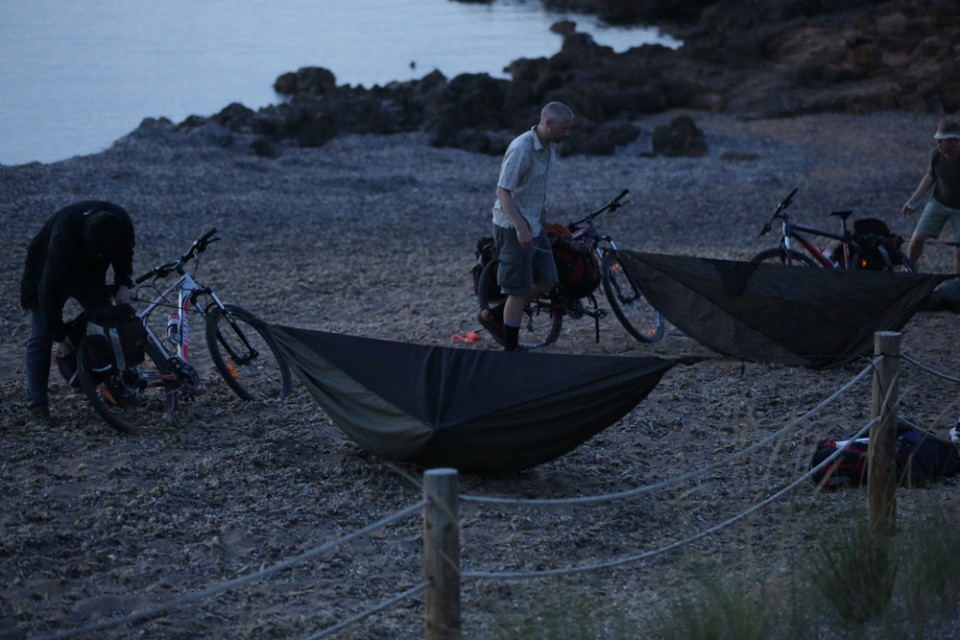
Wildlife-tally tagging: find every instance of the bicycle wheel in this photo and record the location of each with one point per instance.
(633, 311)
(898, 262)
(542, 318)
(126, 402)
(779, 256)
(245, 356)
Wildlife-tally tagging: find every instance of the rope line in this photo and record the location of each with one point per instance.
(517, 575)
(931, 370)
(386, 604)
(693, 475)
(189, 598)
(180, 601)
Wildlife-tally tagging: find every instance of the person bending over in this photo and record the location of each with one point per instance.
(69, 258)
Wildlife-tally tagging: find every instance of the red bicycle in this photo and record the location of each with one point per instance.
(869, 246)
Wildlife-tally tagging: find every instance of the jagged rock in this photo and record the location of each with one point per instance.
(563, 27)
(307, 80)
(681, 137)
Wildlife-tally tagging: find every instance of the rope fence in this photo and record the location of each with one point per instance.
(182, 601)
(441, 525)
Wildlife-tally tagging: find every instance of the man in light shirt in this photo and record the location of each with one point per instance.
(527, 269)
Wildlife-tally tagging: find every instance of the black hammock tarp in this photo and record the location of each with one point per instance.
(793, 315)
(474, 410)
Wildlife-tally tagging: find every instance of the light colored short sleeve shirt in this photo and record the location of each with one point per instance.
(524, 172)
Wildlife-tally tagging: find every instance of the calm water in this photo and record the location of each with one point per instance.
(78, 75)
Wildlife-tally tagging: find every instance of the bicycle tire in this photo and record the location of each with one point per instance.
(245, 356)
(632, 309)
(779, 256)
(123, 407)
(901, 263)
(535, 331)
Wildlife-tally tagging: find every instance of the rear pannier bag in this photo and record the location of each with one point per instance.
(577, 267)
(879, 246)
(123, 330)
(116, 338)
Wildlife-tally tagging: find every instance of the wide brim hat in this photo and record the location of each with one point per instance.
(946, 130)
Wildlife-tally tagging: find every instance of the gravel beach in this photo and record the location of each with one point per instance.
(375, 236)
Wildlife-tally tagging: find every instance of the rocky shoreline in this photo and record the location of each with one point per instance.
(753, 59)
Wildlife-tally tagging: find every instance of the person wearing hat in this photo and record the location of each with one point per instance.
(944, 202)
(69, 258)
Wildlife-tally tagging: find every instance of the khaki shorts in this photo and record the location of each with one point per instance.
(935, 217)
(520, 268)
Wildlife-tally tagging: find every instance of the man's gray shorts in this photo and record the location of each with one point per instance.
(520, 268)
(935, 216)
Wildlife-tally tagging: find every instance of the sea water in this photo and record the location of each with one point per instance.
(78, 75)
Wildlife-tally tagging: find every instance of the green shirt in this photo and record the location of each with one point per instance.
(946, 173)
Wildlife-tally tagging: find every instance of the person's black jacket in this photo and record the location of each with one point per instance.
(64, 261)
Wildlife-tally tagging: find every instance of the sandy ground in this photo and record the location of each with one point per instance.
(374, 236)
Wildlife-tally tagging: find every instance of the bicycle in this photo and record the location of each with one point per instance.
(871, 247)
(543, 317)
(245, 357)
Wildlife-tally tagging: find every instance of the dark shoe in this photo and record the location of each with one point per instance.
(41, 416)
(495, 329)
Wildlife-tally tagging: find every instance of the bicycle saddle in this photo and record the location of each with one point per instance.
(843, 215)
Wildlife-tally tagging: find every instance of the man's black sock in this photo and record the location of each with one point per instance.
(511, 337)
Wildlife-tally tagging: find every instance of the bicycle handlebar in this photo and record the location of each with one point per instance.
(778, 213)
(613, 205)
(199, 246)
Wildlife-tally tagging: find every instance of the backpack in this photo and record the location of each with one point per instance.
(880, 247)
(849, 469)
(921, 458)
(578, 270)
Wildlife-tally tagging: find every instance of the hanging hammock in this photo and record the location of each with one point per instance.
(797, 316)
(474, 410)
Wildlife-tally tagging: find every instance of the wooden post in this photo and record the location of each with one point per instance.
(441, 554)
(882, 466)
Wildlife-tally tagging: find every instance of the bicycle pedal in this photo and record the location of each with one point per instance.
(131, 378)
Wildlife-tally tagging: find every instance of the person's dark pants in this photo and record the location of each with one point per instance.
(37, 361)
(40, 346)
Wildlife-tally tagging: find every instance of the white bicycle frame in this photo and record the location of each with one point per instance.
(185, 287)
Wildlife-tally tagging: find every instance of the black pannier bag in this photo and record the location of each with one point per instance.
(486, 253)
(98, 353)
(116, 338)
(879, 246)
(123, 330)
